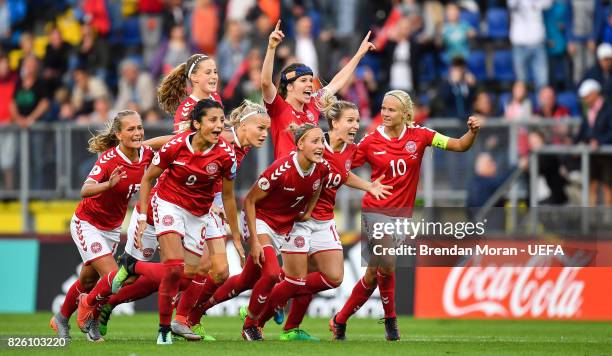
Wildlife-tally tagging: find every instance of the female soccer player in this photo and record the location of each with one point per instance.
(395, 149)
(285, 192)
(194, 161)
(95, 226)
(294, 100)
(325, 247)
(200, 71)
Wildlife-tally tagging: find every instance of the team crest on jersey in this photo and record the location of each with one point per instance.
(310, 115)
(212, 168)
(96, 247)
(148, 252)
(411, 147)
(167, 220)
(347, 165)
(316, 184)
(299, 241)
(263, 183)
(156, 159)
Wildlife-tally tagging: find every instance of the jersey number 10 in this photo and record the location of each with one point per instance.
(398, 168)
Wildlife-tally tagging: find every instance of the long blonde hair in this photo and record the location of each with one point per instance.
(107, 138)
(405, 105)
(332, 108)
(172, 89)
(246, 108)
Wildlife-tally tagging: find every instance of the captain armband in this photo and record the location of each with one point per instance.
(439, 141)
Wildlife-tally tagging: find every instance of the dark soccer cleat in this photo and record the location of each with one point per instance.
(338, 330)
(391, 330)
(252, 333)
(127, 265)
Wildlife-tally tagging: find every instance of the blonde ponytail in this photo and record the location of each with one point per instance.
(332, 108)
(172, 90)
(107, 138)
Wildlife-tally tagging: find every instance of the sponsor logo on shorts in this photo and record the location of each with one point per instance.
(263, 183)
(212, 168)
(316, 184)
(411, 147)
(148, 252)
(96, 247)
(347, 165)
(167, 220)
(299, 242)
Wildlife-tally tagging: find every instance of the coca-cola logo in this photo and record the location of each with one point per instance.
(515, 292)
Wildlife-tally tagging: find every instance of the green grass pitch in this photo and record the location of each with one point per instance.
(135, 335)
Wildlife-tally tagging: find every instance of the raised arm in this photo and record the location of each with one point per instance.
(267, 85)
(343, 76)
(466, 141)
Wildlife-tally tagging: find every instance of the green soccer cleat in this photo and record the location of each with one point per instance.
(105, 314)
(199, 330)
(297, 334)
(243, 312)
(127, 264)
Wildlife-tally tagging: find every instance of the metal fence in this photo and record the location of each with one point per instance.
(51, 162)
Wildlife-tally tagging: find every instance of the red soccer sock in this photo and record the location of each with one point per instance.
(71, 301)
(102, 289)
(317, 282)
(386, 286)
(360, 294)
(141, 288)
(152, 270)
(263, 287)
(185, 282)
(280, 295)
(236, 284)
(190, 295)
(299, 307)
(168, 289)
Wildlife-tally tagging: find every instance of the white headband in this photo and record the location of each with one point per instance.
(194, 64)
(249, 115)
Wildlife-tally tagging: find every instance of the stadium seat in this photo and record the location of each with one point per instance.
(473, 18)
(502, 66)
(569, 99)
(477, 64)
(131, 32)
(497, 23)
(427, 69)
(503, 100)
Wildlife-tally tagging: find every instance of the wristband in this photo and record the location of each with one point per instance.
(142, 217)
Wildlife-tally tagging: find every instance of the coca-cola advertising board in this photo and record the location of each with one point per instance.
(536, 292)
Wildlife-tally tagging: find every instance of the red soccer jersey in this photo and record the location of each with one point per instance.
(107, 209)
(240, 151)
(282, 115)
(399, 159)
(191, 176)
(289, 191)
(340, 166)
(181, 116)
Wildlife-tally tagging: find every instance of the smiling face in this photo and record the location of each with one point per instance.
(210, 126)
(205, 77)
(347, 125)
(131, 134)
(311, 145)
(301, 89)
(391, 112)
(255, 129)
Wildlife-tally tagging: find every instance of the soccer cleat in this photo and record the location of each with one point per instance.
(93, 331)
(127, 264)
(297, 334)
(85, 313)
(243, 312)
(61, 325)
(279, 316)
(164, 337)
(199, 330)
(338, 330)
(391, 330)
(252, 333)
(183, 330)
(105, 314)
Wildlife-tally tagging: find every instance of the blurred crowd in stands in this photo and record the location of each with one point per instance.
(82, 60)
